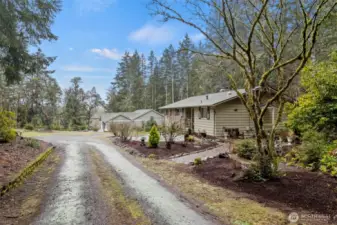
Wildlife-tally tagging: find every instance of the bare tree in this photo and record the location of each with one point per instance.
(170, 130)
(263, 38)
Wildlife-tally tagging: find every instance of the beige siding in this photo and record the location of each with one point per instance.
(146, 117)
(232, 114)
(204, 124)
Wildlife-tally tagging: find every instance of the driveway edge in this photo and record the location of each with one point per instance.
(26, 172)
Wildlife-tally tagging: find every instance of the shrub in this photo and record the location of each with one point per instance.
(32, 143)
(170, 130)
(253, 174)
(56, 127)
(246, 149)
(314, 144)
(29, 126)
(190, 138)
(328, 163)
(113, 128)
(122, 130)
(149, 124)
(7, 124)
(10, 135)
(95, 129)
(197, 161)
(125, 131)
(154, 137)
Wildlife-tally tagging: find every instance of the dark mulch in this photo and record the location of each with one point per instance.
(16, 156)
(176, 148)
(298, 189)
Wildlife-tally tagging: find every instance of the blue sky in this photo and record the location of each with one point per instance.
(93, 34)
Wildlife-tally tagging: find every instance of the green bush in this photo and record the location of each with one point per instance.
(246, 149)
(32, 143)
(7, 125)
(329, 165)
(197, 161)
(154, 137)
(253, 174)
(29, 126)
(314, 145)
(10, 135)
(56, 127)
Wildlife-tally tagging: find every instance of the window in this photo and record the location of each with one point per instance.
(177, 112)
(204, 112)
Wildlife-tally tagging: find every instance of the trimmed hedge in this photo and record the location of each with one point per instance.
(25, 172)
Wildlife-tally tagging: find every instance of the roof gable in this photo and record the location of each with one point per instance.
(148, 111)
(121, 116)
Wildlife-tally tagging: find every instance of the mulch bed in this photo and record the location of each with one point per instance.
(16, 156)
(304, 190)
(176, 148)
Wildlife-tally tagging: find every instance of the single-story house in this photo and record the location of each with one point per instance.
(215, 114)
(136, 118)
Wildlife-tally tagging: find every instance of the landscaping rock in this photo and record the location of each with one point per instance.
(224, 155)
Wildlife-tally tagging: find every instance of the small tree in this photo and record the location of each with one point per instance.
(170, 131)
(154, 137)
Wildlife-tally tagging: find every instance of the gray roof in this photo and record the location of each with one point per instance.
(129, 115)
(204, 100)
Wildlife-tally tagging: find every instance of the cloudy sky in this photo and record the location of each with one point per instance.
(94, 34)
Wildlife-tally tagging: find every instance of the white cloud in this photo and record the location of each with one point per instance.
(107, 53)
(197, 37)
(152, 35)
(92, 5)
(85, 69)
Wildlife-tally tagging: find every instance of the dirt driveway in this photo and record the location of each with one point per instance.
(80, 193)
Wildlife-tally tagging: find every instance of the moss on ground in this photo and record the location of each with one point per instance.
(125, 209)
(227, 205)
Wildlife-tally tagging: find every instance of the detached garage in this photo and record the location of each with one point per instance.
(137, 118)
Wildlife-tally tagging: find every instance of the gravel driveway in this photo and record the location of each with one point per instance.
(73, 200)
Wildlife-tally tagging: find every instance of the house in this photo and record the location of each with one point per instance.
(215, 114)
(136, 118)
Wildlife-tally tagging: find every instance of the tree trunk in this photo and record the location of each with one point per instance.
(267, 160)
